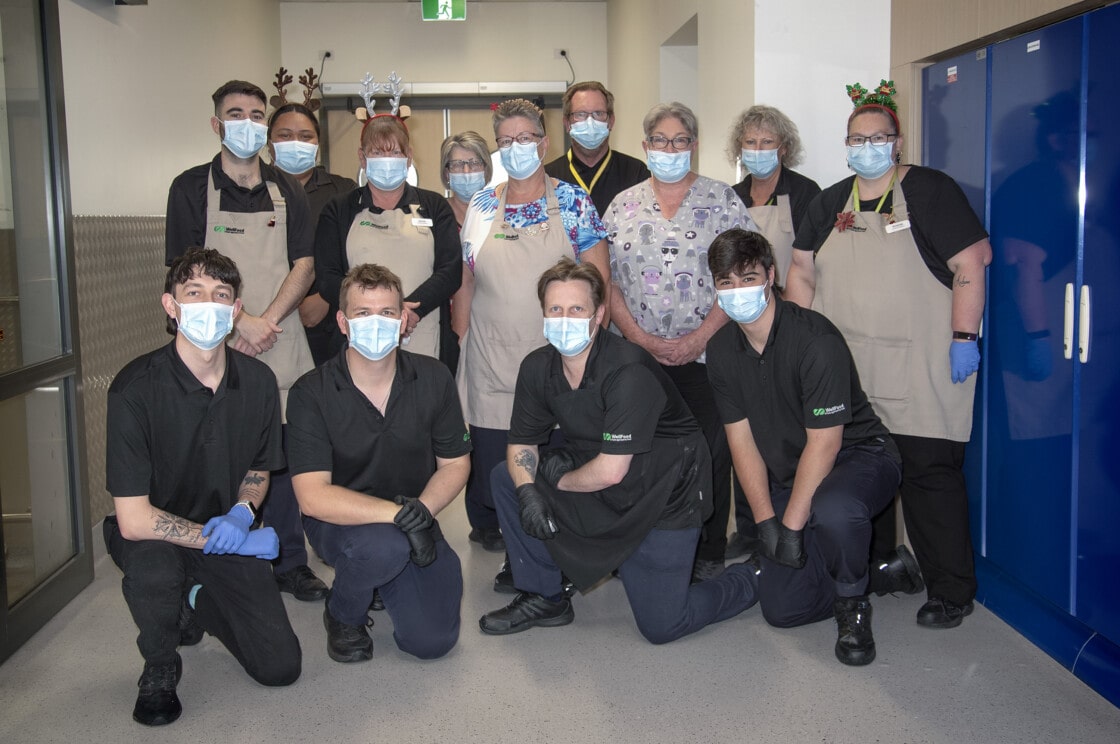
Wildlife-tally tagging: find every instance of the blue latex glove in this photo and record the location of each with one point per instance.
(1039, 362)
(263, 543)
(964, 359)
(227, 532)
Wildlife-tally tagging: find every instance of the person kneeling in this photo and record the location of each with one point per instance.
(629, 491)
(814, 460)
(378, 447)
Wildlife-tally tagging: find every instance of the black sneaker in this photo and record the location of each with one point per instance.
(526, 611)
(855, 645)
(346, 643)
(703, 570)
(489, 537)
(157, 704)
(503, 582)
(940, 613)
(302, 583)
(190, 632)
(377, 604)
(898, 572)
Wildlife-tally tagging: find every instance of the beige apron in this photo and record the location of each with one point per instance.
(258, 243)
(394, 240)
(896, 318)
(775, 221)
(506, 322)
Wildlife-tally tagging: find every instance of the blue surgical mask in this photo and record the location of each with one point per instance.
(465, 185)
(569, 336)
(589, 133)
(295, 157)
(244, 137)
(669, 167)
(520, 161)
(871, 160)
(374, 336)
(205, 324)
(760, 163)
(386, 173)
(743, 304)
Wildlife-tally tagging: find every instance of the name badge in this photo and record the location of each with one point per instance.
(893, 227)
(421, 222)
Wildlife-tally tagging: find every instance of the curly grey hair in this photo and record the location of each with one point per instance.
(769, 119)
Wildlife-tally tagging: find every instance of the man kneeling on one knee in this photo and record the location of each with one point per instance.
(628, 491)
(378, 447)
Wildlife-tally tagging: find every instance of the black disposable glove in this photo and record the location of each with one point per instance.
(554, 463)
(535, 517)
(769, 530)
(791, 547)
(413, 516)
(423, 544)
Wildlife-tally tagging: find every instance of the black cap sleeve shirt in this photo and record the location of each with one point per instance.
(184, 446)
(803, 379)
(333, 427)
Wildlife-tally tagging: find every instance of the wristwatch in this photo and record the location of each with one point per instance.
(250, 506)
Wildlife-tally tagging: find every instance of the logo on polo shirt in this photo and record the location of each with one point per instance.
(608, 437)
(828, 411)
(466, 436)
(229, 230)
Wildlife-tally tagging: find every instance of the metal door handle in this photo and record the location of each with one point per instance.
(1085, 327)
(1067, 325)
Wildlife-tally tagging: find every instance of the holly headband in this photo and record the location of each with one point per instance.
(882, 99)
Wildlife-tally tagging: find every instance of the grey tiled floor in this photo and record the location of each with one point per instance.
(596, 680)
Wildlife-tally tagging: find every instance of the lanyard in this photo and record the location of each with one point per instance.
(882, 199)
(595, 180)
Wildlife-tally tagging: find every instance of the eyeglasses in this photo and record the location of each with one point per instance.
(657, 142)
(858, 140)
(465, 166)
(582, 115)
(394, 153)
(525, 138)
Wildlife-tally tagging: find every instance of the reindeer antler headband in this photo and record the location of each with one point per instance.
(394, 88)
(310, 82)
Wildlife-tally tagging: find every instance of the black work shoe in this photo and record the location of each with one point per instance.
(940, 613)
(377, 604)
(490, 538)
(346, 643)
(855, 646)
(302, 583)
(190, 632)
(157, 704)
(703, 570)
(898, 572)
(739, 545)
(526, 611)
(503, 582)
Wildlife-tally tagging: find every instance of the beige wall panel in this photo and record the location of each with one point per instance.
(425, 132)
(920, 28)
(994, 16)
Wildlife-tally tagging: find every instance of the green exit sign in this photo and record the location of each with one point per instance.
(443, 10)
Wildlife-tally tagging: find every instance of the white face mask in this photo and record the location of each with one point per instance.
(205, 324)
(589, 133)
(760, 163)
(569, 336)
(374, 336)
(295, 157)
(743, 304)
(520, 161)
(244, 137)
(669, 167)
(386, 174)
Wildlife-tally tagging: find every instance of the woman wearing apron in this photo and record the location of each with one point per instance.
(465, 169)
(408, 230)
(899, 268)
(768, 145)
(511, 235)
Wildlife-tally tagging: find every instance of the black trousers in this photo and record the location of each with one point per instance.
(239, 604)
(691, 381)
(935, 507)
(280, 511)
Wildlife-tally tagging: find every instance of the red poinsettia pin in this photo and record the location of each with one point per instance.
(844, 220)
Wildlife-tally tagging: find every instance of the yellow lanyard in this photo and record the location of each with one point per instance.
(882, 199)
(595, 180)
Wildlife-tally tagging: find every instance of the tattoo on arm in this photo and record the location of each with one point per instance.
(172, 527)
(527, 461)
(253, 486)
(963, 282)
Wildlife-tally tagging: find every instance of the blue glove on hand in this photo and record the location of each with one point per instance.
(964, 359)
(263, 543)
(226, 533)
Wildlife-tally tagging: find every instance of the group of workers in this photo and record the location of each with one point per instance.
(606, 353)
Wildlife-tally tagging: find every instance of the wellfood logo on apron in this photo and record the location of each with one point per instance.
(367, 223)
(229, 230)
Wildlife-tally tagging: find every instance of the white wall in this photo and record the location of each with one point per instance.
(138, 81)
(804, 56)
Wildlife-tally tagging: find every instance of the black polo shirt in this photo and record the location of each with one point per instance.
(186, 208)
(333, 427)
(941, 220)
(322, 187)
(620, 174)
(184, 446)
(800, 190)
(624, 405)
(803, 379)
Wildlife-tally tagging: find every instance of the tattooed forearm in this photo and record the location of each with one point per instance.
(170, 527)
(253, 486)
(527, 461)
(963, 281)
